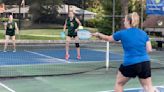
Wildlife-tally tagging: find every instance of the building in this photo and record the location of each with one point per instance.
(154, 25)
(63, 11)
(24, 11)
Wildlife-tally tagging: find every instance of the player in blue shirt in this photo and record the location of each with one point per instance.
(136, 45)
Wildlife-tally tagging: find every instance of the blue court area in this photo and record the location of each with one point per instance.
(56, 56)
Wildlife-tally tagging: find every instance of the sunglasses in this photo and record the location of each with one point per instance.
(129, 19)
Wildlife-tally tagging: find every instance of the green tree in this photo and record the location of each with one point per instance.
(78, 3)
(94, 6)
(123, 7)
(44, 10)
(41, 10)
(10, 2)
(105, 23)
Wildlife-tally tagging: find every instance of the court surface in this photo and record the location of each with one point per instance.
(53, 56)
(98, 80)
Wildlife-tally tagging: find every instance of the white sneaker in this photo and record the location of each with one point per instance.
(14, 50)
(4, 51)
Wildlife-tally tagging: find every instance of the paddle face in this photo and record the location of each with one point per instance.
(62, 35)
(84, 34)
(80, 27)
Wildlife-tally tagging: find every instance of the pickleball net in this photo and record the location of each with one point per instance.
(47, 58)
(156, 57)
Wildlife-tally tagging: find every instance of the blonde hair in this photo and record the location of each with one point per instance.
(135, 19)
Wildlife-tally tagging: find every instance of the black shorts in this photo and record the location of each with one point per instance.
(72, 36)
(10, 33)
(141, 70)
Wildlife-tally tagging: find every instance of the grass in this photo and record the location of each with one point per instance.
(37, 34)
(40, 34)
(46, 34)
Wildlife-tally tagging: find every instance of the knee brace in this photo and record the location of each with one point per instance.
(77, 45)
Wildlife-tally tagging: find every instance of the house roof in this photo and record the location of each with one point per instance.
(63, 9)
(16, 10)
(154, 21)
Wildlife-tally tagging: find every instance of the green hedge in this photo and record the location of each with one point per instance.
(91, 23)
(6, 19)
(103, 25)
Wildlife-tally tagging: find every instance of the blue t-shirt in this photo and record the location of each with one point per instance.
(134, 44)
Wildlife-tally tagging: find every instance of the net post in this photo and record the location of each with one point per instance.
(107, 55)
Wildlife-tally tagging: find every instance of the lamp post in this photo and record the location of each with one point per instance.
(113, 22)
(19, 15)
(142, 13)
(83, 18)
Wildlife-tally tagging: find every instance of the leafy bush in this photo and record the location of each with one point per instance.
(91, 23)
(105, 26)
(6, 19)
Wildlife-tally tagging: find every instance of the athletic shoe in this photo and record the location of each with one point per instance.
(4, 51)
(67, 57)
(14, 50)
(79, 57)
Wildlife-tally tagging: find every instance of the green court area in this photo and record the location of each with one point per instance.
(89, 82)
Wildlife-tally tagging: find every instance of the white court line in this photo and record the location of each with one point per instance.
(43, 35)
(124, 89)
(152, 60)
(6, 87)
(131, 89)
(81, 62)
(47, 56)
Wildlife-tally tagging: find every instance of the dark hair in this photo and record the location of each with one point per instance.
(10, 14)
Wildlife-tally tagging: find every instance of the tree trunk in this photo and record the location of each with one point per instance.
(124, 10)
(124, 4)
